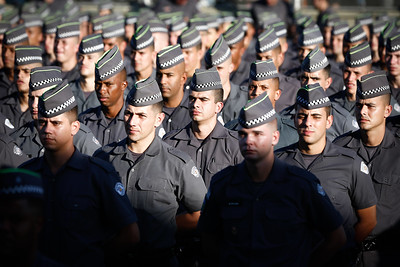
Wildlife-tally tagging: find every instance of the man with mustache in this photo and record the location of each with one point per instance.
(343, 175)
(171, 78)
(379, 148)
(107, 120)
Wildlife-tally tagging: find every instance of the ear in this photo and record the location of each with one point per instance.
(329, 122)
(277, 94)
(122, 48)
(275, 137)
(124, 85)
(231, 67)
(388, 110)
(219, 107)
(183, 78)
(280, 59)
(75, 125)
(328, 82)
(159, 119)
(323, 50)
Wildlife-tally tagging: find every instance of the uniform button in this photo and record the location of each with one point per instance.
(169, 120)
(108, 130)
(200, 150)
(132, 170)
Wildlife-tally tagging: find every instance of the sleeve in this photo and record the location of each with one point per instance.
(117, 208)
(363, 193)
(321, 211)
(192, 188)
(85, 141)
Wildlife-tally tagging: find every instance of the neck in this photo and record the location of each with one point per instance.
(260, 170)
(57, 159)
(23, 101)
(394, 81)
(350, 97)
(237, 65)
(112, 111)
(143, 74)
(191, 72)
(312, 149)
(87, 83)
(202, 130)
(373, 137)
(227, 89)
(174, 101)
(9, 73)
(339, 58)
(140, 146)
(68, 65)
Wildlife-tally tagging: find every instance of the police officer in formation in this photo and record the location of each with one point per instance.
(130, 87)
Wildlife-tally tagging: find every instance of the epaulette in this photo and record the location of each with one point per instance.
(233, 133)
(172, 133)
(106, 166)
(179, 154)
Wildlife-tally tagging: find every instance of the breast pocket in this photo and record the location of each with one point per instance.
(387, 187)
(236, 224)
(80, 211)
(215, 165)
(156, 191)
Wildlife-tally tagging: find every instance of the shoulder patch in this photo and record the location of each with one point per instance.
(396, 107)
(94, 139)
(320, 190)
(355, 124)
(364, 168)
(17, 151)
(8, 123)
(220, 119)
(195, 172)
(119, 188)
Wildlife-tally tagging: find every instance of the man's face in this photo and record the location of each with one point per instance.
(393, 63)
(213, 35)
(371, 113)
(171, 80)
(271, 54)
(142, 59)
(374, 42)
(33, 102)
(337, 44)
(110, 43)
(35, 35)
(141, 122)
(66, 49)
(237, 51)
(86, 64)
(351, 75)
(49, 41)
(304, 51)
(8, 55)
(110, 92)
(192, 57)
(161, 40)
(312, 124)
(23, 75)
(202, 106)
(316, 77)
(19, 227)
(224, 70)
(270, 86)
(257, 143)
(326, 32)
(57, 133)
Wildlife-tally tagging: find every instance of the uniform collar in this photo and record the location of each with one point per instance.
(77, 161)
(187, 134)
(388, 141)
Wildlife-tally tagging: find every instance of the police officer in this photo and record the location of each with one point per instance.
(268, 47)
(86, 208)
(142, 56)
(316, 69)
(91, 49)
(211, 146)
(393, 66)
(219, 56)
(21, 220)
(15, 106)
(380, 150)
(27, 137)
(264, 211)
(234, 37)
(171, 78)
(343, 175)
(107, 120)
(157, 176)
(66, 47)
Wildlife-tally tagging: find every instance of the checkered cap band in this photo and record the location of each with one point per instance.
(355, 34)
(234, 33)
(57, 100)
(109, 64)
(393, 44)
(20, 183)
(142, 37)
(145, 93)
(91, 44)
(364, 20)
(267, 41)
(113, 29)
(314, 61)
(4, 26)
(257, 111)
(189, 37)
(157, 26)
(15, 35)
(218, 53)
(312, 96)
(373, 85)
(34, 23)
(311, 36)
(170, 56)
(43, 77)
(378, 26)
(205, 80)
(263, 70)
(28, 54)
(358, 55)
(67, 30)
(340, 28)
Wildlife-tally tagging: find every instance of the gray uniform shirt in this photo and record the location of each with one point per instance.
(84, 103)
(155, 184)
(219, 150)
